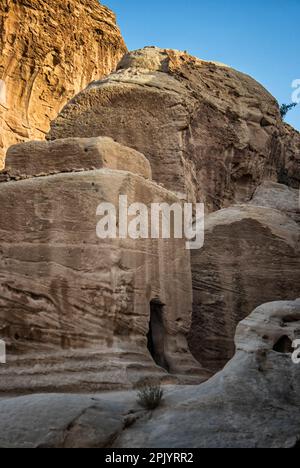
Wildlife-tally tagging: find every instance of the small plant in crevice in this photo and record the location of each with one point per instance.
(285, 108)
(150, 396)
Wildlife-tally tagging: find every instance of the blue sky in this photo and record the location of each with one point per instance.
(261, 38)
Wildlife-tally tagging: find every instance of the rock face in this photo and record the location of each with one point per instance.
(251, 256)
(49, 51)
(208, 131)
(78, 312)
(214, 135)
(62, 421)
(34, 159)
(253, 403)
(82, 314)
(278, 196)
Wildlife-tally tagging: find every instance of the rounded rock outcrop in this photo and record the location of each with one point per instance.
(209, 132)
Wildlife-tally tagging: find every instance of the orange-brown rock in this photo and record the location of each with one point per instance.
(49, 51)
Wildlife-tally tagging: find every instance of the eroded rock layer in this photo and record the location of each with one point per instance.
(49, 51)
(253, 403)
(78, 312)
(41, 158)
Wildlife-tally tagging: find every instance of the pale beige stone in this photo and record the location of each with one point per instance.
(278, 196)
(253, 403)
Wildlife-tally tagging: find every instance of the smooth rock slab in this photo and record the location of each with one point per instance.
(254, 402)
(60, 421)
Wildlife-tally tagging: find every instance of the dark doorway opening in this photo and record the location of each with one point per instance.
(284, 345)
(156, 334)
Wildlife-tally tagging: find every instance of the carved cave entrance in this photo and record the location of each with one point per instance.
(156, 334)
(284, 345)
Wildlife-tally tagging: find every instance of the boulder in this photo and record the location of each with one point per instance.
(38, 158)
(278, 196)
(49, 51)
(209, 132)
(250, 256)
(253, 403)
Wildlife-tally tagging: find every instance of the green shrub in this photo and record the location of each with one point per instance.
(285, 108)
(150, 396)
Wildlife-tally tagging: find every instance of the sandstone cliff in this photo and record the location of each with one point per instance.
(77, 313)
(215, 135)
(49, 51)
(209, 131)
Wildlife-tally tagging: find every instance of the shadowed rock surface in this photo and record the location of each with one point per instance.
(49, 51)
(254, 402)
(251, 255)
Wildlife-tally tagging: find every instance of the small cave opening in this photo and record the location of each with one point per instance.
(284, 345)
(156, 334)
(297, 445)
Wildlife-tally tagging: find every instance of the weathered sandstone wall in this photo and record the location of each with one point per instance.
(49, 51)
(209, 132)
(214, 135)
(74, 309)
(251, 256)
